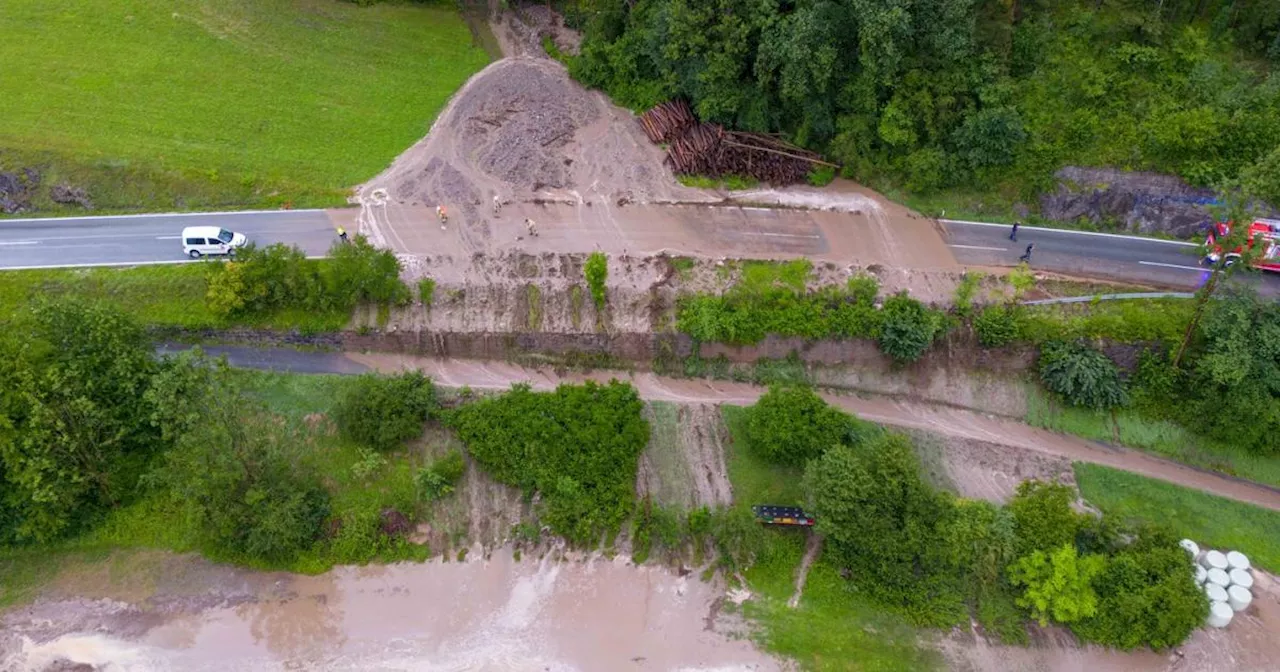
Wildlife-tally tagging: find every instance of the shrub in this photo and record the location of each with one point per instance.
(997, 326)
(1058, 586)
(908, 328)
(280, 277)
(578, 447)
(1042, 516)
(1081, 375)
(382, 412)
(426, 291)
(596, 271)
(791, 424)
(358, 272)
(965, 292)
(1147, 597)
(437, 480)
(821, 176)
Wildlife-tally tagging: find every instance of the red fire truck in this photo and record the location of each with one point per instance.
(1265, 231)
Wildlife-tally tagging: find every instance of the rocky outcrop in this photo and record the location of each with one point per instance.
(1130, 201)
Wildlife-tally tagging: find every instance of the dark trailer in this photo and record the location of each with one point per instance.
(782, 515)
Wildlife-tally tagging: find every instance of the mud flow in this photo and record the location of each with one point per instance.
(498, 614)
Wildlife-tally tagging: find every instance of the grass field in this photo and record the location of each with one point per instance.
(832, 628)
(1209, 520)
(1161, 437)
(171, 295)
(177, 104)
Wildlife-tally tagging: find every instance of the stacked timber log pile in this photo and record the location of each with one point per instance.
(668, 121)
(708, 149)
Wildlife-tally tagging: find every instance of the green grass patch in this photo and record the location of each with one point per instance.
(832, 628)
(171, 295)
(1126, 321)
(1207, 519)
(222, 103)
(1161, 437)
(755, 480)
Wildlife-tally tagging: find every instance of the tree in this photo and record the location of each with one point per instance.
(908, 327)
(1058, 586)
(382, 412)
(1236, 373)
(1261, 180)
(74, 435)
(1082, 376)
(990, 137)
(239, 472)
(792, 424)
(884, 524)
(1235, 209)
(1042, 516)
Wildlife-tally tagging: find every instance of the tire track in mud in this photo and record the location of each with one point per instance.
(899, 413)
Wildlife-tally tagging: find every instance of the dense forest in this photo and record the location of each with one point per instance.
(974, 95)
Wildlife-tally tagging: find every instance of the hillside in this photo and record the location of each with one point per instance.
(969, 104)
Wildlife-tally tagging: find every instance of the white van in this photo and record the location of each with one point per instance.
(198, 241)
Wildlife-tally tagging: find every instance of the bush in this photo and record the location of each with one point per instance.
(821, 176)
(997, 326)
(579, 447)
(437, 480)
(1042, 516)
(1058, 586)
(279, 277)
(382, 412)
(426, 291)
(358, 272)
(908, 328)
(1082, 376)
(596, 271)
(1147, 597)
(792, 424)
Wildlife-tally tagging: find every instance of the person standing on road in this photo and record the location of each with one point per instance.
(443, 217)
(1014, 235)
(497, 205)
(1026, 256)
(533, 230)
(342, 234)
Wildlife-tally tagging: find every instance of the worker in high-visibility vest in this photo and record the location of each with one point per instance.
(444, 218)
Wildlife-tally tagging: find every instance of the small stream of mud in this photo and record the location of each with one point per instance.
(498, 614)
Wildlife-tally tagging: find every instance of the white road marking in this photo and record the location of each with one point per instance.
(1185, 268)
(122, 264)
(781, 235)
(979, 247)
(21, 242)
(755, 209)
(162, 214)
(1071, 231)
(167, 237)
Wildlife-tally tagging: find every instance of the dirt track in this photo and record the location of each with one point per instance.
(906, 414)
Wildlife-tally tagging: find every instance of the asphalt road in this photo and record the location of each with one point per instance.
(1168, 263)
(148, 239)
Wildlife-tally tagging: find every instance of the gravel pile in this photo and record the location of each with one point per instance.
(519, 120)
